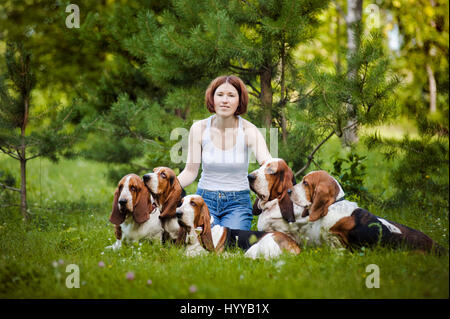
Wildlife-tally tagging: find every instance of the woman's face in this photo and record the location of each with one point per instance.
(226, 100)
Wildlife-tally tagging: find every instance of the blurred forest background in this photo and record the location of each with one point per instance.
(113, 89)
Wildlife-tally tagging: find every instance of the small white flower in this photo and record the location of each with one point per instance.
(279, 264)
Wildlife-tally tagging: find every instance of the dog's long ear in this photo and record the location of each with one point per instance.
(287, 180)
(181, 239)
(256, 210)
(143, 206)
(116, 217)
(118, 232)
(170, 206)
(203, 221)
(287, 209)
(322, 199)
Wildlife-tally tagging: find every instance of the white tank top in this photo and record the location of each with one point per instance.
(224, 170)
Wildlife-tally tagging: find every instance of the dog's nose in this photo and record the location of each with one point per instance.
(122, 201)
(146, 178)
(251, 178)
(179, 213)
(289, 191)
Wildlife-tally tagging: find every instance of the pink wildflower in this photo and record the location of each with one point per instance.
(193, 288)
(130, 275)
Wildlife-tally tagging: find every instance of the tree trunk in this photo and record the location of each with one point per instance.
(23, 165)
(354, 15)
(23, 190)
(432, 86)
(283, 95)
(338, 42)
(266, 95)
(430, 72)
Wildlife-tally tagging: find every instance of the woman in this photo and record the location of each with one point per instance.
(221, 144)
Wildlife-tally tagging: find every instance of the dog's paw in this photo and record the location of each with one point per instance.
(195, 253)
(116, 246)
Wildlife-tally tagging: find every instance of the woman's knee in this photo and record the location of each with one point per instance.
(238, 220)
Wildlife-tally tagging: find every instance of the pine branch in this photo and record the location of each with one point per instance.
(326, 102)
(256, 93)
(34, 156)
(44, 113)
(340, 10)
(304, 96)
(9, 188)
(311, 156)
(134, 134)
(10, 153)
(240, 69)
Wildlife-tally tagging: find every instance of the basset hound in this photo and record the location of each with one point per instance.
(133, 213)
(195, 221)
(275, 209)
(328, 218)
(167, 193)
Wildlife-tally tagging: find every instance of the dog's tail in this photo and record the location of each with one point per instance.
(439, 250)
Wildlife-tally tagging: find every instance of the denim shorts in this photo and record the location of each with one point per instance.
(229, 209)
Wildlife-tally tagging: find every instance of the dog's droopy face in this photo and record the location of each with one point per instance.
(191, 211)
(131, 197)
(317, 191)
(272, 181)
(193, 214)
(161, 180)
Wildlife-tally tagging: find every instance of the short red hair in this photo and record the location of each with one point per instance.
(238, 85)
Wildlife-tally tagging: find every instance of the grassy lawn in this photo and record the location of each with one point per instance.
(71, 201)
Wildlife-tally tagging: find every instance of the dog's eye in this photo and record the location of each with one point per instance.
(133, 188)
(193, 204)
(163, 175)
(305, 183)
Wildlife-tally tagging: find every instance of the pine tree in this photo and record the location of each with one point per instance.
(176, 51)
(352, 19)
(192, 42)
(369, 91)
(421, 174)
(25, 135)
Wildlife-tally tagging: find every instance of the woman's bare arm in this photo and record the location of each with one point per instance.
(194, 157)
(257, 143)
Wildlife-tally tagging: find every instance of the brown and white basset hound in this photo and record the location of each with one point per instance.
(328, 218)
(167, 194)
(275, 209)
(195, 221)
(133, 213)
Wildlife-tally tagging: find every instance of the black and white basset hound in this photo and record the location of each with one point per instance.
(321, 215)
(194, 218)
(133, 213)
(167, 193)
(327, 216)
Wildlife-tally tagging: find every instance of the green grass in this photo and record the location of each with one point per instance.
(70, 202)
